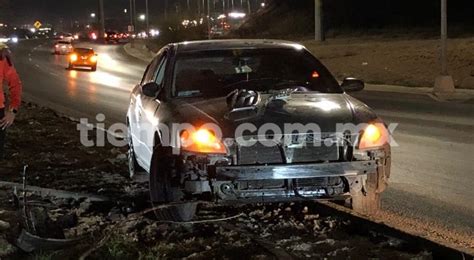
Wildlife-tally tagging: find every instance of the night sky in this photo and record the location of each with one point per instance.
(26, 11)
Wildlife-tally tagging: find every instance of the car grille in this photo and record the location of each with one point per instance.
(278, 153)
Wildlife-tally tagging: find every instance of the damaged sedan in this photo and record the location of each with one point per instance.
(250, 121)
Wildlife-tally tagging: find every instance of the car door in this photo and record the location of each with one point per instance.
(137, 112)
(148, 121)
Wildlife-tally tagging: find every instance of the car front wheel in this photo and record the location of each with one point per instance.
(367, 200)
(162, 190)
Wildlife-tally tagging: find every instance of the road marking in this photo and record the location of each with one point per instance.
(36, 65)
(30, 59)
(54, 74)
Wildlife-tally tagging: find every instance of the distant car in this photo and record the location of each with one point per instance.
(244, 121)
(63, 47)
(112, 37)
(65, 37)
(83, 57)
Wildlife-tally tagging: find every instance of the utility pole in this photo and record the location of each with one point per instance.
(147, 16)
(166, 9)
(134, 14)
(444, 83)
(444, 38)
(318, 21)
(132, 25)
(208, 20)
(249, 7)
(101, 19)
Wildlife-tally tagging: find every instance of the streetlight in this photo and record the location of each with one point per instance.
(142, 17)
(444, 82)
(93, 15)
(125, 11)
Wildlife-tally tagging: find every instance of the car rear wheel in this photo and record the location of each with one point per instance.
(70, 66)
(94, 68)
(162, 191)
(367, 200)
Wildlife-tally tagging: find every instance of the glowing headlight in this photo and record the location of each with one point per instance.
(202, 141)
(374, 135)
(73, 57)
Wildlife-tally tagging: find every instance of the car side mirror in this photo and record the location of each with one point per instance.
(352, 85)
(150, 89)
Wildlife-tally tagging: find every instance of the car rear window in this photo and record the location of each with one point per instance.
(64, 42)
(214, 73)
(84, 51)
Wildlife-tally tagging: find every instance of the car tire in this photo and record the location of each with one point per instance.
(133, 167)
(367, 200)
(70, 66)
(163, 192)
(94, 68)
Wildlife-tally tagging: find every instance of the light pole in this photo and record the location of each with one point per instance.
(444, 83)
(102, 19)
(147, 18)
(318, 21)
(208, 20)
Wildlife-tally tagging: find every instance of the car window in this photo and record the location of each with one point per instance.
(150, 71)
(218, 72)
(160, 73)
(84, 51)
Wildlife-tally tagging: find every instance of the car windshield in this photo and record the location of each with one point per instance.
(64, 42)
(84, 51)
(219, 72)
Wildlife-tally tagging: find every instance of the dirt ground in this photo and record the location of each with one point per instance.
(404, 62)
(121, 227)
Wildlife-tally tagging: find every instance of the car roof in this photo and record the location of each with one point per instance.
(207, 45)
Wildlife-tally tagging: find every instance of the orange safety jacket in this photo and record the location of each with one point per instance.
(9, 75)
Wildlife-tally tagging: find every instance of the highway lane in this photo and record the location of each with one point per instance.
(78, 93)
(432, 175)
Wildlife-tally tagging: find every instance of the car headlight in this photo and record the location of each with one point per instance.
(14, 39)
(93, 59)
(374, 135)
(73, 57)
(202, 141)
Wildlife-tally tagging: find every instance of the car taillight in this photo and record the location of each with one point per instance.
(201, 141)
(374, 135)
(93, 59)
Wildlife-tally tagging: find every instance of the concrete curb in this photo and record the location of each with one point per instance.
(141, 53)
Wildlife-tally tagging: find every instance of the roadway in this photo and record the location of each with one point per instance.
(431, 188)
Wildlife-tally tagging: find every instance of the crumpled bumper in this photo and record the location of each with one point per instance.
(282, 182)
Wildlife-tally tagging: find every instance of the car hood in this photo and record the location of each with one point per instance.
(325, 110)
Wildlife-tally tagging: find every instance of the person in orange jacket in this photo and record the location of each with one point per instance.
(9, 75)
